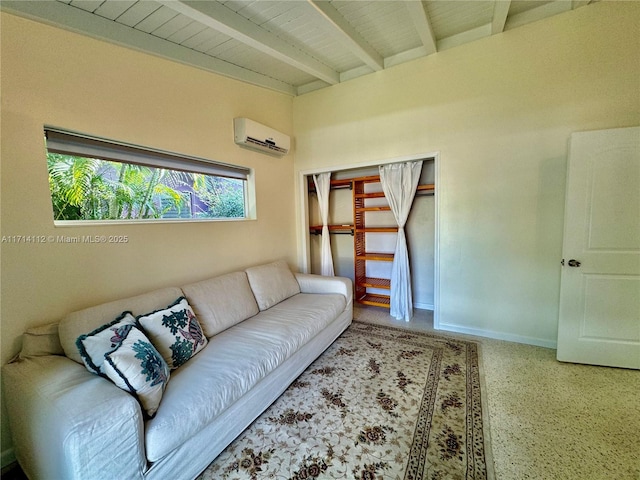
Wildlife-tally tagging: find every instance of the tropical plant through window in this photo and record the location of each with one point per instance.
(94, 189)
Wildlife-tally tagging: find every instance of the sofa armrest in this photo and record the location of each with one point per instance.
(311, 283)
(69, 423)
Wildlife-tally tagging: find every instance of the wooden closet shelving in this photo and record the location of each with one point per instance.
(317, 229)
(359, 230)
(361, 255)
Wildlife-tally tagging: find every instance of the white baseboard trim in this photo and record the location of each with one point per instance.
(479, 332)
(423, 306)
(7, 457)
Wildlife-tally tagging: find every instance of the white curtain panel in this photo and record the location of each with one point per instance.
(399, 183)
(323, 185)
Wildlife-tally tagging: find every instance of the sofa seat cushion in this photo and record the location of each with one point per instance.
(232, 363)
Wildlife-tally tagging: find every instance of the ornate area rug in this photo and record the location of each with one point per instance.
(380, 403)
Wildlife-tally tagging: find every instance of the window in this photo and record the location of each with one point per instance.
(93, 179)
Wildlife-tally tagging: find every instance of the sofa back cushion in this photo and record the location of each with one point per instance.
(89, 319)
(272, 283)
(41, 340)
(221, 302)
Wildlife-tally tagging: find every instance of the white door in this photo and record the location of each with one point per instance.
(599, 320)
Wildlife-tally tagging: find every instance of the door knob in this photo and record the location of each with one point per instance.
(574, 263)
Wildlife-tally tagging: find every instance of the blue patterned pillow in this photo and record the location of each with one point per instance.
(94, 345)
(175, 332)
(137, 367)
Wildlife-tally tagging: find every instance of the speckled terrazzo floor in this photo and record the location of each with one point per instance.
(551, 420)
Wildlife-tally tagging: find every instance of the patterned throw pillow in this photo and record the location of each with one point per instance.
(175, 332)
(136, 367)
(93, 346)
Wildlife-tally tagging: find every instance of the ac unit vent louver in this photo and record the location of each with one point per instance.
(253, 135)
(267, 145)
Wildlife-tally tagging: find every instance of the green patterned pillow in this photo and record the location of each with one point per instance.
(94, 345)
(175, 332)
(136, 367)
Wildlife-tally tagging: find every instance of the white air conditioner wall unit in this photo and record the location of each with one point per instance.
(251, 134)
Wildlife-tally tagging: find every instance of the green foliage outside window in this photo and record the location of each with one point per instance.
(93, 189)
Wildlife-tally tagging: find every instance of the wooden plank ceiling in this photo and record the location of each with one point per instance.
(292, 46)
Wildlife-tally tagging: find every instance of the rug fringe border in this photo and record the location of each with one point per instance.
(486, 426)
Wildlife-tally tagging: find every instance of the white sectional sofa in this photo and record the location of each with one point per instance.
(263, 327)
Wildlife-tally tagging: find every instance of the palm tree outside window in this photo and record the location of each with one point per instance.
(95, 179)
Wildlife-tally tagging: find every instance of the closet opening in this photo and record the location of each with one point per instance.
(363, 232)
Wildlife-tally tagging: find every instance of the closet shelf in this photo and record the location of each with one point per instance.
(375, 300)
(374, 209)
(380, 257)
(382, 283)
(369, 195)
(334, 185)
(426, 188)
(350, 229)
(344, 183)
(317, 229)
(376, 229)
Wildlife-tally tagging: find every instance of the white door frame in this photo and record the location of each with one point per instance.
(303, 236)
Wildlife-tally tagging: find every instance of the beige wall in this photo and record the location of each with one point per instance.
(50, 76)
(499, 111)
